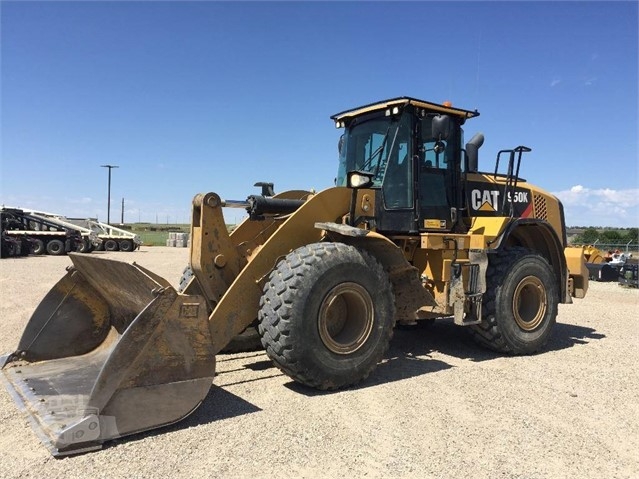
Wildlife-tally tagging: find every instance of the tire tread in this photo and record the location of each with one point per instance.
(276, 305)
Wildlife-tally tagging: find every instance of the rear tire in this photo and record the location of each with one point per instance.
(111, 245)
(327, 315)
(126, 245)
(520, 303)
(38, 246)
(55, 247)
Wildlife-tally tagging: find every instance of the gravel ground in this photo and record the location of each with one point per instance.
(438, 406)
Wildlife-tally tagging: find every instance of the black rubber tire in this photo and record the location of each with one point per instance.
(38, 247)
(519, 308)
(9, 247)
(55, 247)
(125, 245)
(100, 247)
(110, 245)
(333, 281)
(25, 247)
(86, 246)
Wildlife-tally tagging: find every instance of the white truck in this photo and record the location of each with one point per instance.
(113, 238)
(41, 234)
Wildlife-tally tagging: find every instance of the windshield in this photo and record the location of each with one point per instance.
(366, 146)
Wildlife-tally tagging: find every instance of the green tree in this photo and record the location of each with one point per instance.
(611, 237)
(589, 236)
(632, 235)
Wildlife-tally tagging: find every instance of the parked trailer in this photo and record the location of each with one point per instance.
(90, 240)
(113, 238)
(44, 235)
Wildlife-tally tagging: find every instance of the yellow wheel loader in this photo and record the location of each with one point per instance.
(412, 231)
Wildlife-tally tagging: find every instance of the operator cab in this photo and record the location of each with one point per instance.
(411, 151)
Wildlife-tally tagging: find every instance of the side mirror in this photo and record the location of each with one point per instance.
(441, 126)
(340, 144)
(472, 151)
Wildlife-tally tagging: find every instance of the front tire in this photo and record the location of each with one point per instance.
(327, 314)
(520, 303)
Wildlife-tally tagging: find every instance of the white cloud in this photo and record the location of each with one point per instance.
(555, 82)
(590, 81)
(600, 207)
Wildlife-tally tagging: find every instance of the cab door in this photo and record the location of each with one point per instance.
(437, 173)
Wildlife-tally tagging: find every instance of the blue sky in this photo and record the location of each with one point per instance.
(190, 97)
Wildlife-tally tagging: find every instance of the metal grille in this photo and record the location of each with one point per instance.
(541, 211)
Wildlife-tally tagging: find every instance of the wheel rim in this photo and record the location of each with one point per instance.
(346, 318)
(529, 303)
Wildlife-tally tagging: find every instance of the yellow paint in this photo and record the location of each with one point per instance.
(485, 229)
(239, 305)
(576, 262)
(486, 207)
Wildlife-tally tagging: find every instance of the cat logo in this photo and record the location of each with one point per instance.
(484, 200)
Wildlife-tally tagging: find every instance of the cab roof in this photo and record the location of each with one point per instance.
(381, 105)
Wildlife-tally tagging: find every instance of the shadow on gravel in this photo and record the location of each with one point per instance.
(409, 355)
(217, 405)
(410, 351)
(444, 337)
(441, 336)
(568, 335)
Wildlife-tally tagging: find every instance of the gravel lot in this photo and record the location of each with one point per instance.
(438, 406)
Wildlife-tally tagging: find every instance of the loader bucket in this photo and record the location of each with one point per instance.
(111, 350)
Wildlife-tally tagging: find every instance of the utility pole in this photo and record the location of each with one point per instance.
(122, 217)
(110, 167)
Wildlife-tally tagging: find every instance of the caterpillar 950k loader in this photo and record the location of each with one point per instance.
(412, 231)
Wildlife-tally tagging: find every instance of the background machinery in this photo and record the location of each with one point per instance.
(610, 266)
(39, 234)
(412, 231)
(112, 238)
